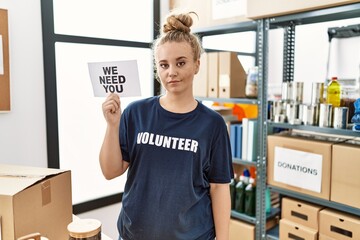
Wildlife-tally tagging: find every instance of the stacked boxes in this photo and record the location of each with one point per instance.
(345, 177)
(335, 175)
(300, 164)
(299, 220)
(338, 225)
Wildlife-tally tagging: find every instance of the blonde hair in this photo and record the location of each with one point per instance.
(177, 29)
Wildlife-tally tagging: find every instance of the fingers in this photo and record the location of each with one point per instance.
(112, 104)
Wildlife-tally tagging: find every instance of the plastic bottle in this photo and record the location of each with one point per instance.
(250, 198)
(251, 89)
(240, 195)
(232, 191)
(267, 200)
(333, 92)
(240, 191)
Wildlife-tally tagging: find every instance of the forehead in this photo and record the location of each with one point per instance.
(173, 50)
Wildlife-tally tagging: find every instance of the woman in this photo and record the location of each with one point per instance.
(175, 150)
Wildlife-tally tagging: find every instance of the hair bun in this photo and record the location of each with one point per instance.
(180, 22)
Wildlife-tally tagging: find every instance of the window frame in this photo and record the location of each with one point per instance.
(49, 38)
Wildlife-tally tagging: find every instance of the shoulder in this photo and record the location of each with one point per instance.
(210, 113)
(214, 119)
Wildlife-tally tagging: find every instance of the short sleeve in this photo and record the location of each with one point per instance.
(221, 168)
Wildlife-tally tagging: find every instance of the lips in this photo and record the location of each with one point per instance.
(173, 81)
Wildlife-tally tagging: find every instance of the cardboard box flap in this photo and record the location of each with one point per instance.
(14, 179)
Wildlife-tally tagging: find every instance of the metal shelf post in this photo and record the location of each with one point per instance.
(263, 27)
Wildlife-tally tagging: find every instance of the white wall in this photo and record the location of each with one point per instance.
(23, 129)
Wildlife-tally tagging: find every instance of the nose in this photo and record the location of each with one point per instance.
(172, 71)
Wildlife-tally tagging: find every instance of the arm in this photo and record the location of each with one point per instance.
(221, 205)
(111, 162)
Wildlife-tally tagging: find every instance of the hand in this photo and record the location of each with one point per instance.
(112, 109)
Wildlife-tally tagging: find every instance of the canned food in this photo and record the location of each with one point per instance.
(297, 92)
(292, 113)
(325, 115)
(317, 93)
(85, 229)
(286, 89)
(278, 107)
(340, 117)
(310, 114)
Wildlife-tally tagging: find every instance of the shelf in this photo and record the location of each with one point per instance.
(240, 216)
(321, 15)
(227, 28)
(244, 162)
(344, 132)
(232, 100)
(315, 200)
(273, 233)
(243, 217)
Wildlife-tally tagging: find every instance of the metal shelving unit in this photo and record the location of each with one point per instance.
(262, 27)
(288, 23)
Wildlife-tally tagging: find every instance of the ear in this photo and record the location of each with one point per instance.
(197, 66)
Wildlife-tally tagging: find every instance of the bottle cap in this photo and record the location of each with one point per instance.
(246, 173)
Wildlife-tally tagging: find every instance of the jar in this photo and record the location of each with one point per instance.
(85, 229)
(251, 89)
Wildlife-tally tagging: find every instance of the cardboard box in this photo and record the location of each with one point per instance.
(241, 230)
(232, 76)
(290, 230)
(35, 200)
(300, 164)
(214, 12)
(300, 212)
(338, 225)
(345, 177)
(213, 74)
(323, 237)
(200, 83)
(270, 8)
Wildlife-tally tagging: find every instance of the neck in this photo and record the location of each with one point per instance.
(178, 104)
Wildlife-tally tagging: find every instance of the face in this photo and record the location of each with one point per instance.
(176, 67)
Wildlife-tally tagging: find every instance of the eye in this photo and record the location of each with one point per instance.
(180, 64)
(164, 65)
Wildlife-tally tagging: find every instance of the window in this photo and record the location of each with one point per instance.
(75, 33)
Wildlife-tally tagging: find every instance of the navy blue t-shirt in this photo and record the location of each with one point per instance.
(172, 158)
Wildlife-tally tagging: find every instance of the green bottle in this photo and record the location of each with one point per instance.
(250, 198)
(333, 92)
(267, 200)
(240, 194)
(232, 191)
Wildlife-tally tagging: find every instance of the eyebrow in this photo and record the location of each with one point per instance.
(177, 59)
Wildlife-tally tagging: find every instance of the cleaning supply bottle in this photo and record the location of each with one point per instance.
(250, 198)
(333, 92)
(240, 195)
(267, 200)
(240, 191)
(232, 191)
